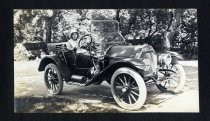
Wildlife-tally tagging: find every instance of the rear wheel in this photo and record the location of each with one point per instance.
(128, 89)
(53, 79)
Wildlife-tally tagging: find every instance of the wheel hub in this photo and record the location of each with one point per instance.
(125, 89)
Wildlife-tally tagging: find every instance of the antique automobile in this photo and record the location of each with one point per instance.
(129, 69)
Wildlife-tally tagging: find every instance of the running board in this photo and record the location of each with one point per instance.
(77, 84)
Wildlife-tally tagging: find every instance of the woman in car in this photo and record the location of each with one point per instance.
(72, 43)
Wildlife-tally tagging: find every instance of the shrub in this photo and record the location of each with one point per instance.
(20, 52)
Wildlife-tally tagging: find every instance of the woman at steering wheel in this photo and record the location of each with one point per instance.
(73, 42)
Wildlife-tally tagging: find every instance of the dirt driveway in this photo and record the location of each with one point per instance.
(31, 96)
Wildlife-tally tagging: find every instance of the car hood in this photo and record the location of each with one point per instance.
(127, 51)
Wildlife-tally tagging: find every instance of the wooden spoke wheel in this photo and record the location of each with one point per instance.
(128, 89)
(53, 79)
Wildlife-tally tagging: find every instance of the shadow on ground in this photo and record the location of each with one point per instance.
(53, 104)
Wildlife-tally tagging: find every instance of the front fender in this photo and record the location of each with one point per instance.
(174, 57)
(174, 54)
(62, 66)
(106, 73)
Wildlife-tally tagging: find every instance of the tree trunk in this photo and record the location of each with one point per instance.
(132, 20)
(169, 34)
(48, 29)
(20, 37)
(118, 15)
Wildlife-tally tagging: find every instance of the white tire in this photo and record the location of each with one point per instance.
(128, 89)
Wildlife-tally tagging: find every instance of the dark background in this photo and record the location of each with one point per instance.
(7, 63)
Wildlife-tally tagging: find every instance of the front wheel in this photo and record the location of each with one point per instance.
(172, 80)
(53, 79)
(128, 89)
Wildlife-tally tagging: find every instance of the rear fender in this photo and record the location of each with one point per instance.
(107, 73)
(62, 66)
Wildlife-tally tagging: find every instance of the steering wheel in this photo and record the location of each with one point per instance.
(88, 44)
(85, 41)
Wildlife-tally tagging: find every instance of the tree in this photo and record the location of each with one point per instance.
(187, 34)
(22, 18)
(172, 28)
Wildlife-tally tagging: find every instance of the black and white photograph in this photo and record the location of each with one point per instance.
(106, 60)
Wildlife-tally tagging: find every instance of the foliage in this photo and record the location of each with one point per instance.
(20, 53)
(139, 25)
(187, 34)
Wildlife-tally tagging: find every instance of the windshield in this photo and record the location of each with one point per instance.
(107, 26)
(108, 30)
(106, 33)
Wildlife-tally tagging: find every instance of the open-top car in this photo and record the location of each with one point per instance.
(127, 68)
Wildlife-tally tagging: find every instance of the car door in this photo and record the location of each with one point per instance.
(83, 61)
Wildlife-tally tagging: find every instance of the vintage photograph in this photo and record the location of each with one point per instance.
(105, 60)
